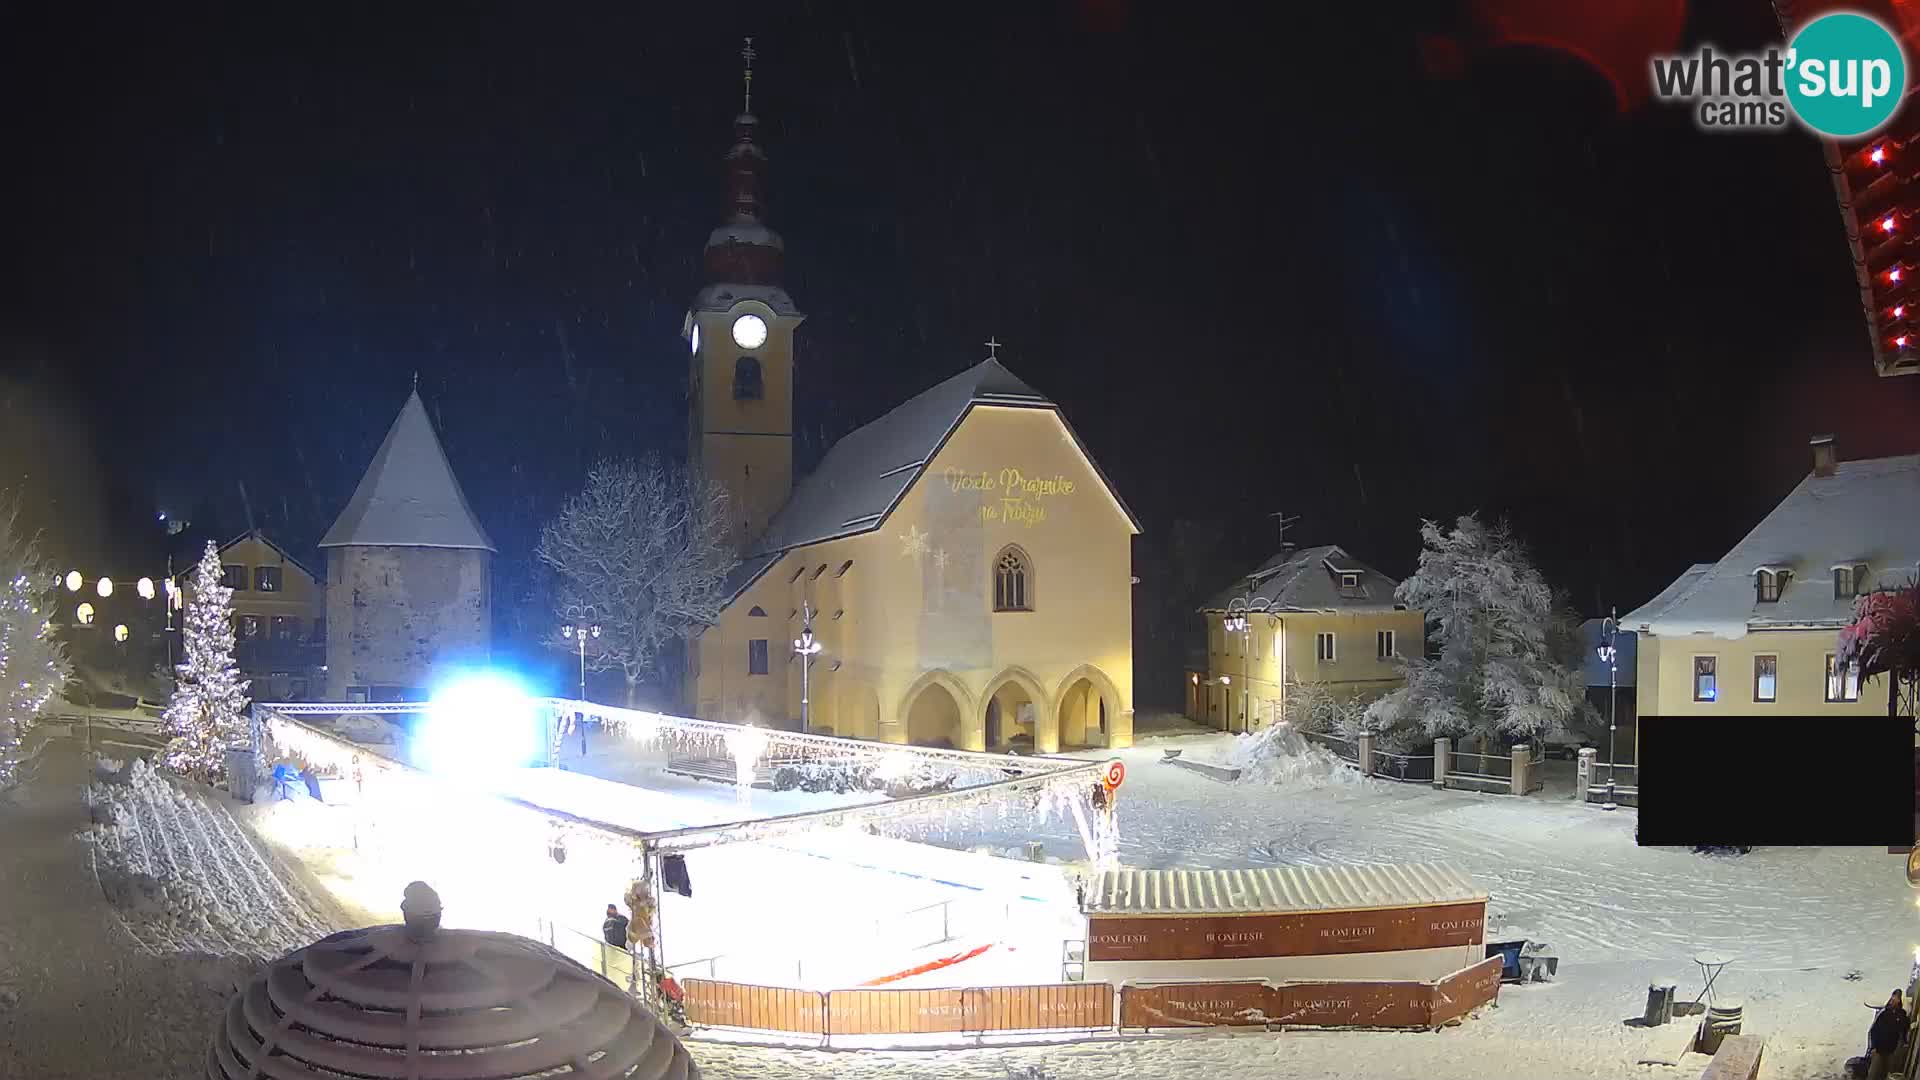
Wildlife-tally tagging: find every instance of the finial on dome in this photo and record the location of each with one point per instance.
(748, 54)
(420, 909)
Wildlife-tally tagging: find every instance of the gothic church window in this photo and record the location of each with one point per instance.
(1012, 581)
(746, 379)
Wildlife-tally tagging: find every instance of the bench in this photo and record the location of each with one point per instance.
(1737, 1059)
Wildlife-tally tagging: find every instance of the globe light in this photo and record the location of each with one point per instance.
(85, 614)
(74, 581)
(145, 588)
(105, 588)
(120, 632)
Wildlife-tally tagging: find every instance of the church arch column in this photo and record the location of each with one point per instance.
(1015, 703)
(935, 710)
(1091, 711)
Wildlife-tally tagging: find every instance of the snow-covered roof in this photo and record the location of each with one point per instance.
(1309, 579)
(1867, 512)
(866, 473)
(723, 296)
(409, 497)
(745, 232)
(1277, 889)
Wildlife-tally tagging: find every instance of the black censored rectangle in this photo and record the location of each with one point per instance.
(1779, 781)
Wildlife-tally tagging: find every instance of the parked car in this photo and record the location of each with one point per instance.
(1566, 744)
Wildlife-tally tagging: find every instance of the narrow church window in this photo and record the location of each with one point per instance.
(844, 567)
(817, 573)
(746, 379)
(757, 656)
(796, 575)
(1011, 584)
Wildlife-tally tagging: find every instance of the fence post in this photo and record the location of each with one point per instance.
(1583, 772)
(1522, 757)
(1365, 744)
(1442, 761)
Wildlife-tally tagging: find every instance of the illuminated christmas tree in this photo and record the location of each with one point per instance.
(33, 666)
(208, 712)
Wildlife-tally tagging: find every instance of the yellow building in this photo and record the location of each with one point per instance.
(967, 567)
(1756, 631)
(1310, 616)
(279, 617)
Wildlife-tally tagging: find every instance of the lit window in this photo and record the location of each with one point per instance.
(1383, 644)
(757, 656)
(1842, 686)
(234, 577)
(1010, 582)
(249, 627)
(1323, 647)
(1766, 678)
(1706, 683)
(266, 579)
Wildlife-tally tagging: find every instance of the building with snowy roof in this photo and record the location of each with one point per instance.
(1315, 616)
(1757, 630)
(279, 617)
(966, 565)
(409, 572)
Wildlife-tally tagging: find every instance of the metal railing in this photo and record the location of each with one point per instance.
(1347, 749)
(1489, 769)
(1626, 783)
(1408, 768)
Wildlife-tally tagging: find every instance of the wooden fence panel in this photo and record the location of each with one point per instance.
(896, 1012)
(1306, 933)
(761, 1008)
(1466, 990)
(1057, 1007)
(1213, 1004)
(1354, 1004)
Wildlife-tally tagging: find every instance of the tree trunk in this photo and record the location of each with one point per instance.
(633, 689)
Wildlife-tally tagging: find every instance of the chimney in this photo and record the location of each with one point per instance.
(1824, 457)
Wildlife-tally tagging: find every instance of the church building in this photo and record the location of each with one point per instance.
(962, 564)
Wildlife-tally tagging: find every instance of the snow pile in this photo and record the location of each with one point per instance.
(186, 878)
(1279, 756)
(364, 728)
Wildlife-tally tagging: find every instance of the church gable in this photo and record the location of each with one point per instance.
(1012, 471)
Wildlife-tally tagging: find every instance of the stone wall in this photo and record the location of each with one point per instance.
(398, 615)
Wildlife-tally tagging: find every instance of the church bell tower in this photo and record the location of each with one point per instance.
(740, 334)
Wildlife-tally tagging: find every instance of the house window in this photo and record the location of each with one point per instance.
(285, 628)
(319, 629)
(1010, 582)
(1842, 686)
(248, 627)
(266, 579)
(1349, 581)
(1766, 686)
(1383, 644)
(746, 379)
(757, 656)
(1767, 585)
(1706, 684)
(1323, 647)
(1843, 583)
(234, 576)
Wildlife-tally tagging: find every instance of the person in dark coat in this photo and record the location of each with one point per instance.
(1884, 1038)
(614, 930)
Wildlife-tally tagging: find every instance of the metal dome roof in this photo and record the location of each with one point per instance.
(416, 1002)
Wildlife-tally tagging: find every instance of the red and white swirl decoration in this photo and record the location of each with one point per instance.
(1115, 774)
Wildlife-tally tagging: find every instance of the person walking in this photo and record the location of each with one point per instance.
(614, 930)
(1884, 1038)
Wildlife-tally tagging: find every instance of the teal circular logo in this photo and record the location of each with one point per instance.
(1846, 75)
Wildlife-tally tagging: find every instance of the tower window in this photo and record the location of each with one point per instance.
(757, 656)
(1012, 585)
(746, 379)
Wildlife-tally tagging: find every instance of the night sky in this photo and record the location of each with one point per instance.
(1364, 271)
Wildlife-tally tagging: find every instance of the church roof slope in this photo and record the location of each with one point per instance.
(409, 496)
(1309, 580)
(1866, 513)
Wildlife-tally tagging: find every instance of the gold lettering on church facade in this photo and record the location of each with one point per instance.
(1020, 497)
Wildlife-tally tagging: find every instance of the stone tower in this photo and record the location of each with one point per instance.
(409, 591)
(740, 332)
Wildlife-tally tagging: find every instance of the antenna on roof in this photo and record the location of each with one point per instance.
(748, 54)
(1281, 521)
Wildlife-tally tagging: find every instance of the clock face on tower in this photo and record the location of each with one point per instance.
(749, 332)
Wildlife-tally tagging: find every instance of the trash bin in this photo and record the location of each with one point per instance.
(1659, 1003)
(241, 778)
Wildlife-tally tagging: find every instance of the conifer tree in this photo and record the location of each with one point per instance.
(33, 664)
(208, 712)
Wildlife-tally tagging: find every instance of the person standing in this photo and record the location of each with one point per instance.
(614, 930)
(1884, 1038)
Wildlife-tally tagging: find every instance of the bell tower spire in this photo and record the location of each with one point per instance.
(740, 331)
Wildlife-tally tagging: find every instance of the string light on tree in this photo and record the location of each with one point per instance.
(207, 715)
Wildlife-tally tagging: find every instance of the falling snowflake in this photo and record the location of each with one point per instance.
(940, 558)
(913, 543)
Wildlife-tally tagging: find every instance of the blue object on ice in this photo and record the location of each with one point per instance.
(1509, 954)
(283, 778)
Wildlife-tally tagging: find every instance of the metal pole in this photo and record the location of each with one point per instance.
(1612, 626)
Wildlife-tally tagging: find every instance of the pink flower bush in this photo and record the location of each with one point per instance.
(1885, 633)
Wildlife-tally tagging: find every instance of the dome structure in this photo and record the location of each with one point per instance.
(416, 1002)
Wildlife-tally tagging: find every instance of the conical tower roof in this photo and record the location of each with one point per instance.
(409, 497)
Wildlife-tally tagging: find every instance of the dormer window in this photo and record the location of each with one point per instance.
(1768, 584)
(1349, 581)
(1849, 580)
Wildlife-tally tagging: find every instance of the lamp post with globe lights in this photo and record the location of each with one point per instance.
(578, 631)
(806, 648)
(1610, 656)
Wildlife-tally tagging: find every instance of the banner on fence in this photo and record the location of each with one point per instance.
(1307, 933)
(1053, 1007)
(760, 1008)
(1353, 1004)
(895, 1012)
(1214, 1004)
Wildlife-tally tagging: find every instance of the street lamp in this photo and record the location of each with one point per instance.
(580, 634)
(806, 648)
(1610, 656)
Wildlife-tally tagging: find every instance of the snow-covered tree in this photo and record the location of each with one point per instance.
(1502, 672)
(208, 713)
(642, 552)
(33, 664)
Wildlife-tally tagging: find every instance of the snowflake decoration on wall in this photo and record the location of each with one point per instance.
(913, 543)
(940, 558)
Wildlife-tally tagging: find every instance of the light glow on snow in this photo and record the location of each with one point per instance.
(481, 722)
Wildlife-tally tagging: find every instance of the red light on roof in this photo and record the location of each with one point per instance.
(1901, 341)
(1886, 224)
(1899, 311)
(1893, 274)
(1879, 155)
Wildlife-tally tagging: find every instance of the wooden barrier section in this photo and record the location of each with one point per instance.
(761, 1008)
(1215, 1004)
(1353, 1004)
(1466, 990)
(1059, 1007)
(896, 1012)
(1306, 933)
(1737, 1059)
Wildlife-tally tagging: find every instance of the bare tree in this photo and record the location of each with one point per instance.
(641, 551)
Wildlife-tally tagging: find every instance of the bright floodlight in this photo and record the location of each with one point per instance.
(478, 723)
